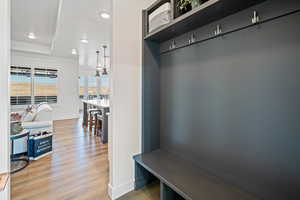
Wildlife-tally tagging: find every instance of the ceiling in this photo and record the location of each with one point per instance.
(59, 25)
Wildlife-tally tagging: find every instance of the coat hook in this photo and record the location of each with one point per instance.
(173, 45)
(218, 31)
(192, 39)
(255, 18)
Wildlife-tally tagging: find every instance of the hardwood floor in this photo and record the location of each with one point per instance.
(77, 169)
(151, 192)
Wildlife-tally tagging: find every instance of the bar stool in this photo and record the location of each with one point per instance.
(98, 123)
(88, 109)
(92, 118)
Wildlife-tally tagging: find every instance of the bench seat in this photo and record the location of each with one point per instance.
(187, 179)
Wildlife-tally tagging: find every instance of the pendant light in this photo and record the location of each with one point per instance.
(104, 72)
(98, 65)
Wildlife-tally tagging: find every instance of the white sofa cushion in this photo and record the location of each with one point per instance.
(37, 124)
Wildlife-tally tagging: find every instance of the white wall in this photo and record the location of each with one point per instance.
(4, 92)
(67, 106)
(125, 124)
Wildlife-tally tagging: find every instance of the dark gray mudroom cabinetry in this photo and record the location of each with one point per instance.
(221, 114)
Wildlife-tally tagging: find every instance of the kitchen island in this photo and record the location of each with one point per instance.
(102, 105)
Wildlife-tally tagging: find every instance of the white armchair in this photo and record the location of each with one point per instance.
(44, 112)
(36, 119)
(42, 120)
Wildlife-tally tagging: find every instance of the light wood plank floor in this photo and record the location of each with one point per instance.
(77, 169)
(151, 192)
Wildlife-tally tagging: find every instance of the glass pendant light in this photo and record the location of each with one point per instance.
(98, 65)
(104, 72)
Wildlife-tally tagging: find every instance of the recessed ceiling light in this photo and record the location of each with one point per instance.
(31, 36)
(105, 15)
(74, 51)
(85, 41)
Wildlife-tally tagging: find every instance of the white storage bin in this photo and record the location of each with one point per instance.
(160, 17)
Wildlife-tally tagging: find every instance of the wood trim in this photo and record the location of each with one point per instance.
(3, 181)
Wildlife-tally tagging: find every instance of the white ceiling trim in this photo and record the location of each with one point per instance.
(30, 47)
(58, 19)
(40, 48)
(59, 28)
(29, 57)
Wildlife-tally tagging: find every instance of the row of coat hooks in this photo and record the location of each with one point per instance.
(217, 32)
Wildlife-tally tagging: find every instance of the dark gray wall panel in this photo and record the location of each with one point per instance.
(232, 105)
(151, 83)
(150, 95)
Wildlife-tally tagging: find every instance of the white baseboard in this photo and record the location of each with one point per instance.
(120, 190)
(42, 156)
(66, 117)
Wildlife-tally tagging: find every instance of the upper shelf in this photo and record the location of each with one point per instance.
(206, 13)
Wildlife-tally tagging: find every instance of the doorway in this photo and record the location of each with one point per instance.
(54, 45)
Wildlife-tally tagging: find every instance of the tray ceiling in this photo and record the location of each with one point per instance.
(59, 25)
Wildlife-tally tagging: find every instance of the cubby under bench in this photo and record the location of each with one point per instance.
(182, 179)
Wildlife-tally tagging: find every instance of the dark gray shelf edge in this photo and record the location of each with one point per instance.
(232, 31)
(183, 20)
(137, 158)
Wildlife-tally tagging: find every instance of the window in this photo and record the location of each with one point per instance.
(45, 86)
(33, 86)
(81, 87)
(104, 85)
(20, 86)
(92, 87)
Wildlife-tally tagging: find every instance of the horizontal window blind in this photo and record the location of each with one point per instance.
(92, 87)
(104, 85)
(81, 87)
(21, 86)
(45, 85)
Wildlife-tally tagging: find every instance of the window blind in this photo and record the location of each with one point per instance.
(92, 87)
(45, 85)
(104, 85)
(20, 87)
(81, 87)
